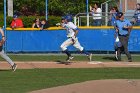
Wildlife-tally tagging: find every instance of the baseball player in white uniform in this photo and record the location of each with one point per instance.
(3, 55)
(72, 31)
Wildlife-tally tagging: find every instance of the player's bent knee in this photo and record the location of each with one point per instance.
(81, 48)
(63, 48)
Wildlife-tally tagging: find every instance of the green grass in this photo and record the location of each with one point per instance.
(103, 58)
(23, 81)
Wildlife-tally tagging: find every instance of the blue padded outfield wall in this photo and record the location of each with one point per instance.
(50, 40)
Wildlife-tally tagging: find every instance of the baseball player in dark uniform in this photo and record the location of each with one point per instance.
(3, 55)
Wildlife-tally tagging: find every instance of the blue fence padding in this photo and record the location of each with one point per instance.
(50, 40)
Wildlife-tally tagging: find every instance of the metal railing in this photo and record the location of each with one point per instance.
(84, 19)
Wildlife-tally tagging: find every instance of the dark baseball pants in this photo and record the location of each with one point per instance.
(124, 42)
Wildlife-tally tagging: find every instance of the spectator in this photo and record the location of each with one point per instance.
(96, 13)
(137, 15)
(16, 22)
(36, 23)
(44, 24)
(112, 18)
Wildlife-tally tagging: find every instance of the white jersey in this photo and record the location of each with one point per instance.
(70, 27)
(97, 15)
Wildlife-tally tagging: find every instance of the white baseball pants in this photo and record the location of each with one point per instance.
(3, 55)
(69, 42)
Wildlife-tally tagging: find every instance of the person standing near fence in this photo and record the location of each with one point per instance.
(16, 22)
(44, 24)
(97, 14)
(123, 26)
(137, 15)
(3, 55)
(72, 31)
(113, 13)
(36, 23)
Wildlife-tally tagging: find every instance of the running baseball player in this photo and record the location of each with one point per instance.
(3, 55)
(72, 31)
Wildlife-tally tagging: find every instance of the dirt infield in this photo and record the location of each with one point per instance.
(94, 64)
(97, 86)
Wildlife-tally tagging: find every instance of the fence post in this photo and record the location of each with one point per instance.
(46, 9)
(10, 7)
(78, 21)
(75, 20)
(106, 14)
(4, 28)
(88, 19)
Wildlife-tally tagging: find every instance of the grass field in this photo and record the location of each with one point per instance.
(103, 58)
(23, 81)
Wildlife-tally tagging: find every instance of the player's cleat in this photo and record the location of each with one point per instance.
(69, 58)
(14, 67)
(90, 57)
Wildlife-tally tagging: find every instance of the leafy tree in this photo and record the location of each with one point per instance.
(1, 5)
(29, 7)
(61, 7)
(56, 7)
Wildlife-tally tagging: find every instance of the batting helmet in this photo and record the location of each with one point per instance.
(68, 18)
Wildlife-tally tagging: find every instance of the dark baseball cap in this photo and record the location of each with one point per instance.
(15, 16)
(119, 14)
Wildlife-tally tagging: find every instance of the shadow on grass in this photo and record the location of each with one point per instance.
(3, 70)
(63, 62)
(110, 58)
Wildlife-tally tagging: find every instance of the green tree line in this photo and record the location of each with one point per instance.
(30, 9)
(55, 7)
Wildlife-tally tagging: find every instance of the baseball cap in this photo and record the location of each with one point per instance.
(119, 14)
(15, 16)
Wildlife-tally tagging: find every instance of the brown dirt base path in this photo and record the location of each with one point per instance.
(97, 86)
(94, 64)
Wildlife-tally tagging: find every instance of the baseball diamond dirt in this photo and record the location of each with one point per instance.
(93, 64)
(95, 86)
